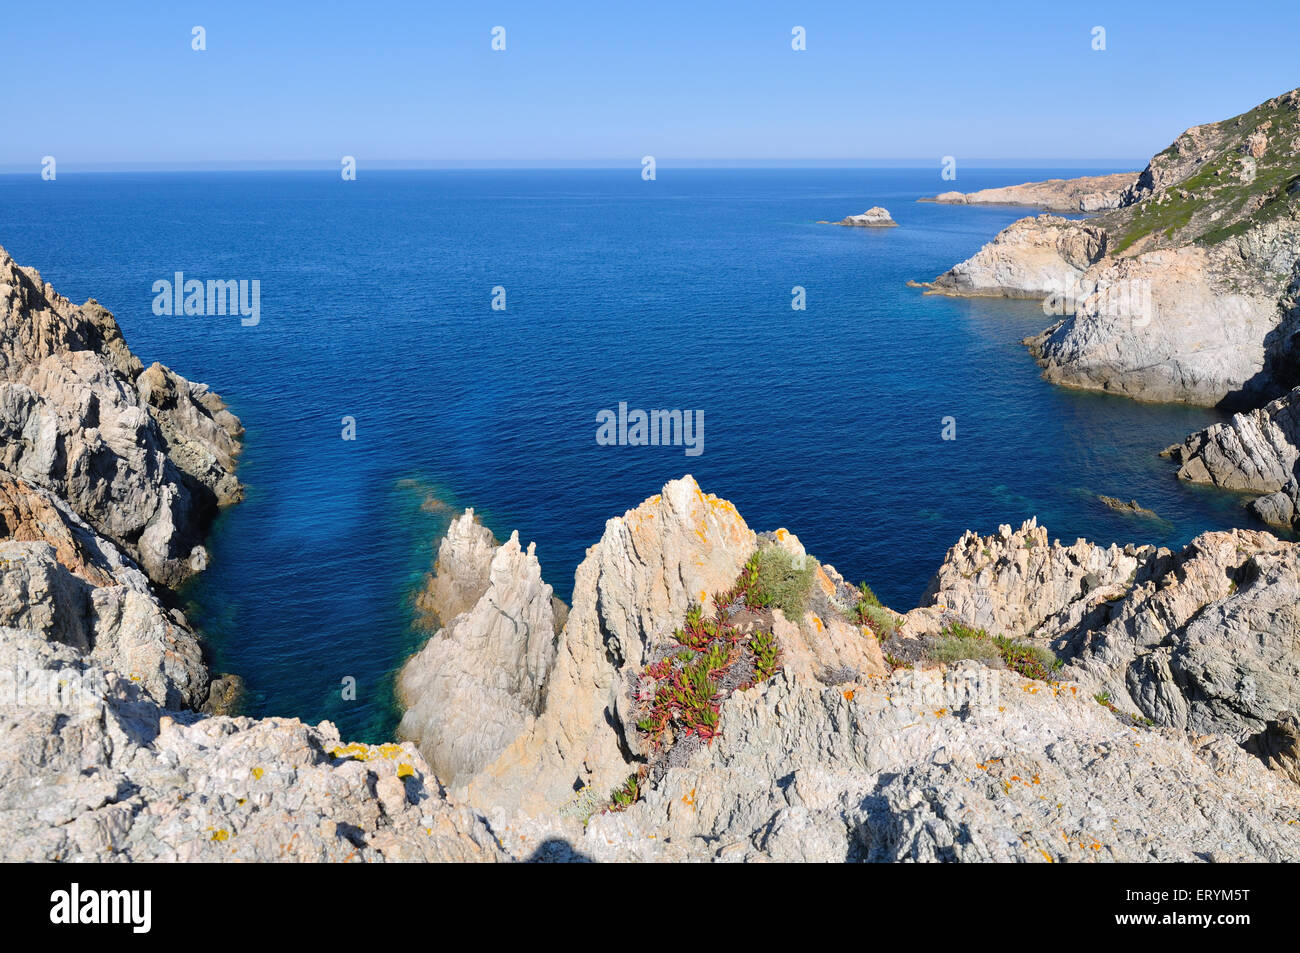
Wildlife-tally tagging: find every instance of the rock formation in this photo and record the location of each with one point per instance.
(1089, 193)
(1033, 258)
(143, 456)
(874, 217)
(1193, 654)
(920, 768)
(479, 681)
(461, 573)
(632, 590)
(1254, 452)
(1204, 640)
(1185, 289)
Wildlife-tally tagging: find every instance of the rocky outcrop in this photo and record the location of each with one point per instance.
(143, 456)
(70, 587)
(1089, 193)
(1206, 640)
(461, 573)
(478, 682)
(838, 757)
(1016, 582)
(1043, 257)
(1186, 289)
(631, 591)
(874, 217)
(961, 765)
(1254, 452)
(97, 772)
(1168, 325)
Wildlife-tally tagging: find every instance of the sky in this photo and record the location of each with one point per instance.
(117, 85)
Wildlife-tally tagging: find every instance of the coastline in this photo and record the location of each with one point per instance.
(573, 725)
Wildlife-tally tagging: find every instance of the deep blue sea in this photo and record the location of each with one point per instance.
(376, 304)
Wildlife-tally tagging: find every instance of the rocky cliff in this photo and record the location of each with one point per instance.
(142, 455)
(1187, 288)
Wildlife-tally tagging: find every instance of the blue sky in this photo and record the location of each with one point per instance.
(102, 85)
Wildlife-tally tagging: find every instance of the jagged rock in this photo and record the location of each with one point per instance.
(1015, 582)
(827, 650)
(630, 592)
(70, 586)
(1255, 451)
(200, 434)
(460, 574)
(1089, 193)
(821, 646)
(1281, 508)
(144, 457)
(1278, 745)
(480, 681)
(225, 696)
(108, 776)
(1206, 640)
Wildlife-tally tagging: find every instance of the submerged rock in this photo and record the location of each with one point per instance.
(1132, 507)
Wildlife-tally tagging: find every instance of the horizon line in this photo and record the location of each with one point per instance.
(634, 165)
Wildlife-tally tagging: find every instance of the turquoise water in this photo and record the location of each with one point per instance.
(376, 304)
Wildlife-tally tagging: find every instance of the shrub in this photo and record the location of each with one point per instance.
(867, 597)
(880, 620)
(1031, 661)
(780, 583)
(958, 642)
